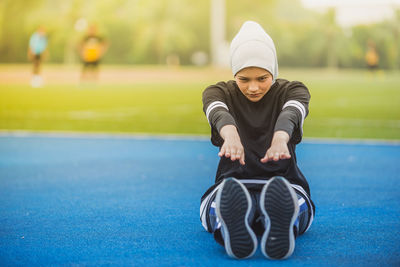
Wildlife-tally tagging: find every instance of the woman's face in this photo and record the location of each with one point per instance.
(254, 82)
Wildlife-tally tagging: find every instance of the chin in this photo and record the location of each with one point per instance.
(254, 99)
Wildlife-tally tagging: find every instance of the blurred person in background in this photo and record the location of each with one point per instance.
(92, 49)
(371, 56)
(36, 53)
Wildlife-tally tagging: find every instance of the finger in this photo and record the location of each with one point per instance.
(233, 154)
(270, 156)
(265, 158)
(242, 159)
(237, 155)
(276, 156)
(222, 152)
(227, 153)
(285, 155)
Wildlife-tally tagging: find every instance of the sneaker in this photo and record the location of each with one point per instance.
(233, 209)
(278, 203)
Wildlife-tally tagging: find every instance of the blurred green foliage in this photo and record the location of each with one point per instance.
(148, 31)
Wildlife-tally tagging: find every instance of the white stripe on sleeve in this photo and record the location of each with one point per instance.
(214, 105)
(300, 107)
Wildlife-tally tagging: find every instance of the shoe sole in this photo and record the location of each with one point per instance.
(279, 205)
(233, 209)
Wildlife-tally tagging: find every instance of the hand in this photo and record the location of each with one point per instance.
(279, 149)
(232, 147)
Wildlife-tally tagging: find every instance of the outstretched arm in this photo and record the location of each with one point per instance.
(232, 147)
(223, 126)
(289, 125)
(279, 149)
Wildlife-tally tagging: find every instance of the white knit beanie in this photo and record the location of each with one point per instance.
(253, 47)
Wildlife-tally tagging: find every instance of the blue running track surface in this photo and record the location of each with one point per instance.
(93, 201)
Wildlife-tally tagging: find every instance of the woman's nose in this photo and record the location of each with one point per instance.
(253, 86)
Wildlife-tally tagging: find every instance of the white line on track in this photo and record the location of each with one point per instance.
(148, 136)
(100, 135)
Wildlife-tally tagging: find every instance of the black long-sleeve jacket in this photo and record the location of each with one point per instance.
(284, 107)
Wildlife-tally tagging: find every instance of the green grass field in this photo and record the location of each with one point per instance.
(344, 104)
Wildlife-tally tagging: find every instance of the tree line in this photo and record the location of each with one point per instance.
(151, 31)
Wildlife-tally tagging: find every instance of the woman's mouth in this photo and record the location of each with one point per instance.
(254, 95)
